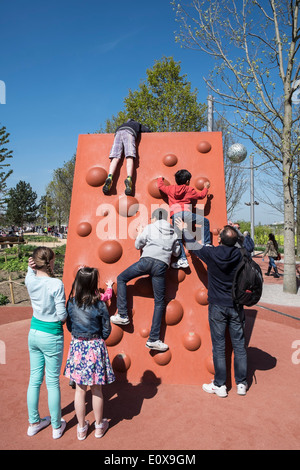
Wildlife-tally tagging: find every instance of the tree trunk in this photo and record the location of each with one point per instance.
(298, 204)
(289, 279)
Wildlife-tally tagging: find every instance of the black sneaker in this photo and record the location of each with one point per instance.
(107, 186)
(128, 185)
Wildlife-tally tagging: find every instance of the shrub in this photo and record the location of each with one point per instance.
(4, 299)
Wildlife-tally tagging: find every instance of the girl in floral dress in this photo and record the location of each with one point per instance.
(88, 362)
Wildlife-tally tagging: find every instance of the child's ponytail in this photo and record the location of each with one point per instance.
(42, 257)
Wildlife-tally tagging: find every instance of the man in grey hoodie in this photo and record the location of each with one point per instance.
(158, 242)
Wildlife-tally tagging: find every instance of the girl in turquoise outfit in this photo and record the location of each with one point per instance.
(45, 340)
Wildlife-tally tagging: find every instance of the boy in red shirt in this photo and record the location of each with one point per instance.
(180, 198)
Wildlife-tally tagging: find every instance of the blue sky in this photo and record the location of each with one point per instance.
(68, 65)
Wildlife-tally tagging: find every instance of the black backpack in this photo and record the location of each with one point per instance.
(248, 281)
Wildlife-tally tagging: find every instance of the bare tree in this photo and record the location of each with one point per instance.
(254, 45)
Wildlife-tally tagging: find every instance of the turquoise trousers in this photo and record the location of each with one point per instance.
(46, 354)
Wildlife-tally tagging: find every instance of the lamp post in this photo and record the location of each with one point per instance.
(252, 202)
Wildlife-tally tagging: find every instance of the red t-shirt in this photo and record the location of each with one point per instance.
(180, 197)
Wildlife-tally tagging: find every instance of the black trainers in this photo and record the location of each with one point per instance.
(128, 185)
(107, 186)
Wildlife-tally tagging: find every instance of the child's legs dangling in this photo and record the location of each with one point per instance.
(179, 234)
(97, 402)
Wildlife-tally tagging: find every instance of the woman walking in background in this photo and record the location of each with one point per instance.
(272, 252)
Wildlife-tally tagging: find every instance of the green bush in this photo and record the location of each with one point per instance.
(19, 263)
(4, 299)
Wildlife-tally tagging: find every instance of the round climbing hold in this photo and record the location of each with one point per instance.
(191, 341)
(115, 336)
(170, 160)
(110, 251)
(153, 189)
(121, 362)
(201, 296)
(174, 312)
(84, 229)
(96, 176)
(127, 206)
(203, 146)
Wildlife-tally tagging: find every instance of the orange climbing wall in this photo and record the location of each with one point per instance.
(101, 234)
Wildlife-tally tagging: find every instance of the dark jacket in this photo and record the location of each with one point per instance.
(221, 262)
(133, 127)
(89, 322)
(248, 243)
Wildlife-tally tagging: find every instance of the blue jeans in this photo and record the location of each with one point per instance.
(190, 218)
(219, 318)
(46, 354)
(157, 271)
(272, 263)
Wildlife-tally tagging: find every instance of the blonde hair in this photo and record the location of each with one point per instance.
(42, 257)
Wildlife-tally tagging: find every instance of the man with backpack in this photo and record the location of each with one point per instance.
(222, 262)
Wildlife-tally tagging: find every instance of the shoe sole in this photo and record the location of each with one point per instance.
(128, 190)
(105, 190)
(180, 267)
(156, 349)
(117, 322)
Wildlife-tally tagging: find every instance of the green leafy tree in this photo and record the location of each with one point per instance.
(165, 101)
(46, 213)
(21, 206)
(60, 190)
(5, 154)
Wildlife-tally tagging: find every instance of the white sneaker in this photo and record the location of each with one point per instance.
(180, 263)
(212, 388)
(118, 320)
(100, 429)
(35, 428)
(241, 389)
(57, 433)
(158, 345)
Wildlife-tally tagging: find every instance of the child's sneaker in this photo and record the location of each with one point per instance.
(57, 433)
(100, 429)
(180, 263)
(158, 345)
(212, 388)
(35, 428)
(128, 186)
(118, 320)
(107, 185)
(241, 389)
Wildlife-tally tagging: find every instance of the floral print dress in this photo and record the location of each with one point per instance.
(88, 362)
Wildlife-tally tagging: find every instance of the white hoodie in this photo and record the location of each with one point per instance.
(158, 241)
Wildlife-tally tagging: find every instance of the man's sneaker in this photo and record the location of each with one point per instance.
(241, 389)
(212, 388)
(128, 186)
(180, 263)
(107, 185)
(118, 320)
(35, 428)
(158, 345)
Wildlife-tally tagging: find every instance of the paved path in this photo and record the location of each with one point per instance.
(159, 417)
